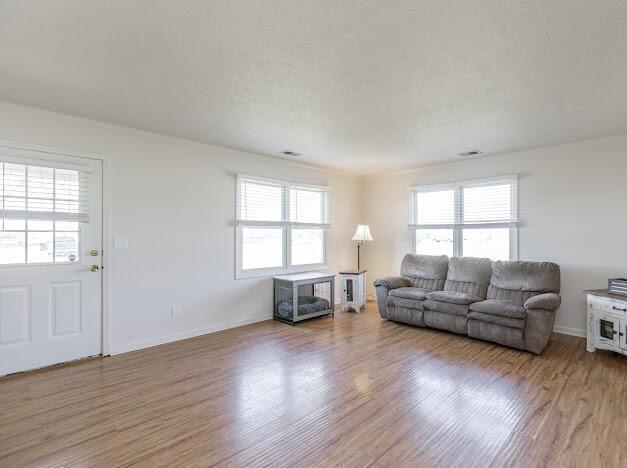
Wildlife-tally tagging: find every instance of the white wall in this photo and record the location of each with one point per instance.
(570, 212)
(174, 200)
(186, 257)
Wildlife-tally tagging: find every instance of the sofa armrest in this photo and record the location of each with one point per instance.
(383, 286)
(538, 328)
(546, 301)
(393, 282)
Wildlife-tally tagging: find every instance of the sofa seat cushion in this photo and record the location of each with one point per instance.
(447, 307)
(453, 297)
(416, 294)
(500, 308)
(497, 319)
(395, 301)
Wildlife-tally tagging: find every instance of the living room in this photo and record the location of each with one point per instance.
(268, 233)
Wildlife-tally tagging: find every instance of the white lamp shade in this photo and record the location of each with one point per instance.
(362, 233)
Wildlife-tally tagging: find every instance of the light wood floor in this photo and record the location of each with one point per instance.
(352, 391)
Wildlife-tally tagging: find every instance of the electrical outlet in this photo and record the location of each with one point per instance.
(176, 311)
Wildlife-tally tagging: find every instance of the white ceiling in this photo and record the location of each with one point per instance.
(356, 85)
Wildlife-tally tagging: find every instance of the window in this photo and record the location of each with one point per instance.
(41, 211)
(473, 218)
(281, 227)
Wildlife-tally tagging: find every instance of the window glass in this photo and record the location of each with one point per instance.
(12, 247)
(66, 246)
(262, 248)
(489, 243)
(434, 242)
(40, 247)
(307, 246)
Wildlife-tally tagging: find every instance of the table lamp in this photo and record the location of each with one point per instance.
(362, 234)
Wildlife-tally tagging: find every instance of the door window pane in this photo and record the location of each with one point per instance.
(489, 243)
(66, 226)
(307, 246)
(14, 224)
(262, 248)
(40, 247)
(12, 247)
(66, 246)
(39, 225)
(434, 242)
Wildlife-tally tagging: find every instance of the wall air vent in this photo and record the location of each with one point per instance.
(290, 154)
(469, 153)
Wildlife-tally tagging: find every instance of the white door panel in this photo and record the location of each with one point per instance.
(51, 312)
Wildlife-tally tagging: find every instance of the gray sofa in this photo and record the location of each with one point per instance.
(510, 303)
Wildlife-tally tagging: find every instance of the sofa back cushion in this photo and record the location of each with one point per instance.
(425, 271)
(469, 275)
(518, 281)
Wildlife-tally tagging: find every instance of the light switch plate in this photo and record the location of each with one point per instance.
(120, 243)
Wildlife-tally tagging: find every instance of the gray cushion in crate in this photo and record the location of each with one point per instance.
(306, 305)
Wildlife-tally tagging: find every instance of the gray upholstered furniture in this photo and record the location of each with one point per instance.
(521, 304)
(466, 283)
(401, 298)
(510, 303)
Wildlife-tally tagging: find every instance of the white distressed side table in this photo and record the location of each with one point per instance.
(607, 321)
(353, 290)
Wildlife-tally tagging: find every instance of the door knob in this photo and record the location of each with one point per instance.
(95, 268)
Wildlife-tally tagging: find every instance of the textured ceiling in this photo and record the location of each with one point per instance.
(357, 85)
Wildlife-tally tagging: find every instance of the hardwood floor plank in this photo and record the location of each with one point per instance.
(353, 390)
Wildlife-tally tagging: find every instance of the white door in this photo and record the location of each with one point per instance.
(50, 259)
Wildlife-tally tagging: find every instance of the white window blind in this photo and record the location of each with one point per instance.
(432, 207)
(489, 203)
(43, 193)
(273, 203)
(308, 207)
(260, 203)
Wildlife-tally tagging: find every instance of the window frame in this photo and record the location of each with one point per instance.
(285, 226)
(458, 225)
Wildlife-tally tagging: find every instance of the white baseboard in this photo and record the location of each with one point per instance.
(569, 331)
(125, 348)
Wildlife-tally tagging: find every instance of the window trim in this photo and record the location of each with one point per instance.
(286, 228)
(458, 226)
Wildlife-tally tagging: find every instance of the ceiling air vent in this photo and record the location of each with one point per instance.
(290, 154)
(469, 153)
